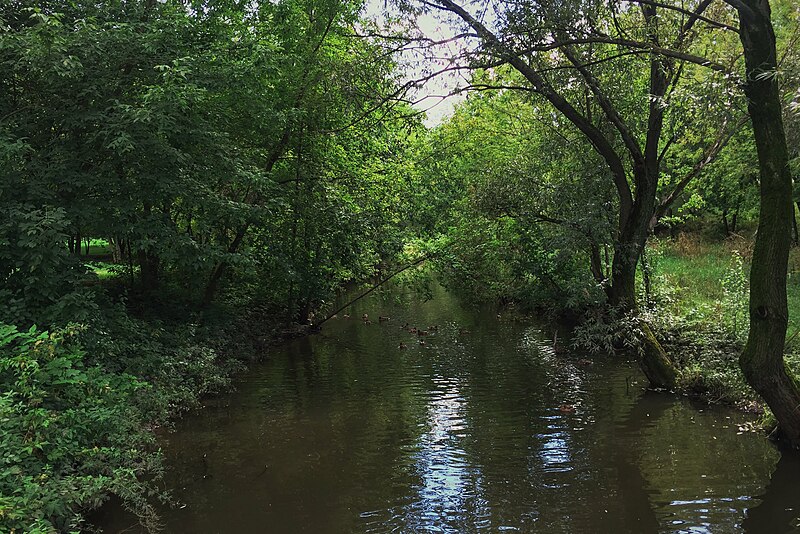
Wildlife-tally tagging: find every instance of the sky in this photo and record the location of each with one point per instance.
(432, 97)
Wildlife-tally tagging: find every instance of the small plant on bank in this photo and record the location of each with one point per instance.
(609, 332)
(736, 296)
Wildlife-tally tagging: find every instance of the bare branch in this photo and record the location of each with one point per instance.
(694, 15)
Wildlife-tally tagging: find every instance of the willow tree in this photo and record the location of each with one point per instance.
(557, 47)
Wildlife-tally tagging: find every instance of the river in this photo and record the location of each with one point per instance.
(482, 428)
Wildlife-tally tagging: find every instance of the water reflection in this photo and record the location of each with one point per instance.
(778, 511)
(448, 497)
(343, 432)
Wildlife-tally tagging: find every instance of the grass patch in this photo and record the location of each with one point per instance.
(698, 307)
(104, 270)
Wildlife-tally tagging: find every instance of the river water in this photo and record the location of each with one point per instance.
(485, 430)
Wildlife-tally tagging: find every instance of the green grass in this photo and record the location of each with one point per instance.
(696, 279)
(103, 270)
(703, 326)
(691, 272)
(97, 247)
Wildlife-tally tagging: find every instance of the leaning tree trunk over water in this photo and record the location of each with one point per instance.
(762, 359)
(653, 360)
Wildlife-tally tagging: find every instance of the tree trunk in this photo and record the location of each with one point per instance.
(762, 359)
(646, 279)
(596, 262)
(148, 269)
(653, 360)
(212, 285)
(725, 223)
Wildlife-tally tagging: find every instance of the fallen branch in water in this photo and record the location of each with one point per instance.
(373, 288)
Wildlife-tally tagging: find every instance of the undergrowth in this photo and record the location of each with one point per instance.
(697, 309)
(78, 405)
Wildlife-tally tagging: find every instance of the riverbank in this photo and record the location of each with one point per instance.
(81, 403)
(86, 400)
(483, 424)
(697, 304)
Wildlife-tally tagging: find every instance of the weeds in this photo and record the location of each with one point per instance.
(697, 308)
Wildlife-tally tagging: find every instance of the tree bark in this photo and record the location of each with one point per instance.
(148, 269)
(653, 360)
(596, 262)
(147, 259)
(212, 285)
(762, 359)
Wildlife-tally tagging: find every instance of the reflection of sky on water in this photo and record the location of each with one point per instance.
(449, 496)
(554, 452)
(450, 489)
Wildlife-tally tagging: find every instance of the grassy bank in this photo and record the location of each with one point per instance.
(698, 304)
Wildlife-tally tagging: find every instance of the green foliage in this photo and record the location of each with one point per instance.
(735, 286)
(700, 314)
(197, 143)
(609, 331)
(512, 199)
(255, 142)
(38, 277)
(68, 433)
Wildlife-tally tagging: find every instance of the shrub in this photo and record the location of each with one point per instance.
(68, 434)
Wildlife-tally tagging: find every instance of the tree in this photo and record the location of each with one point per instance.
(543, 41)
(762, 359)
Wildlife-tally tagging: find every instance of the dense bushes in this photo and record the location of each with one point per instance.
(69, 434)
(78, 408)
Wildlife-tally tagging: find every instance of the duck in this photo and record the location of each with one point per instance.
(434, 328)
(404, 327)
(383, 318)
(421, 342)
(422, 332)
(413, 330)
(367, 322)
(402, 346)
(346, 316)
(566, 408)
(365, 317)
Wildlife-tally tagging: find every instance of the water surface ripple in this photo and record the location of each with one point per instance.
(488, 430)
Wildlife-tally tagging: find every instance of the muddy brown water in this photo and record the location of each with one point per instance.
(343, 431)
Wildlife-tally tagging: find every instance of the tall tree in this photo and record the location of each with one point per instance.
(762, 359)
(544, 39)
